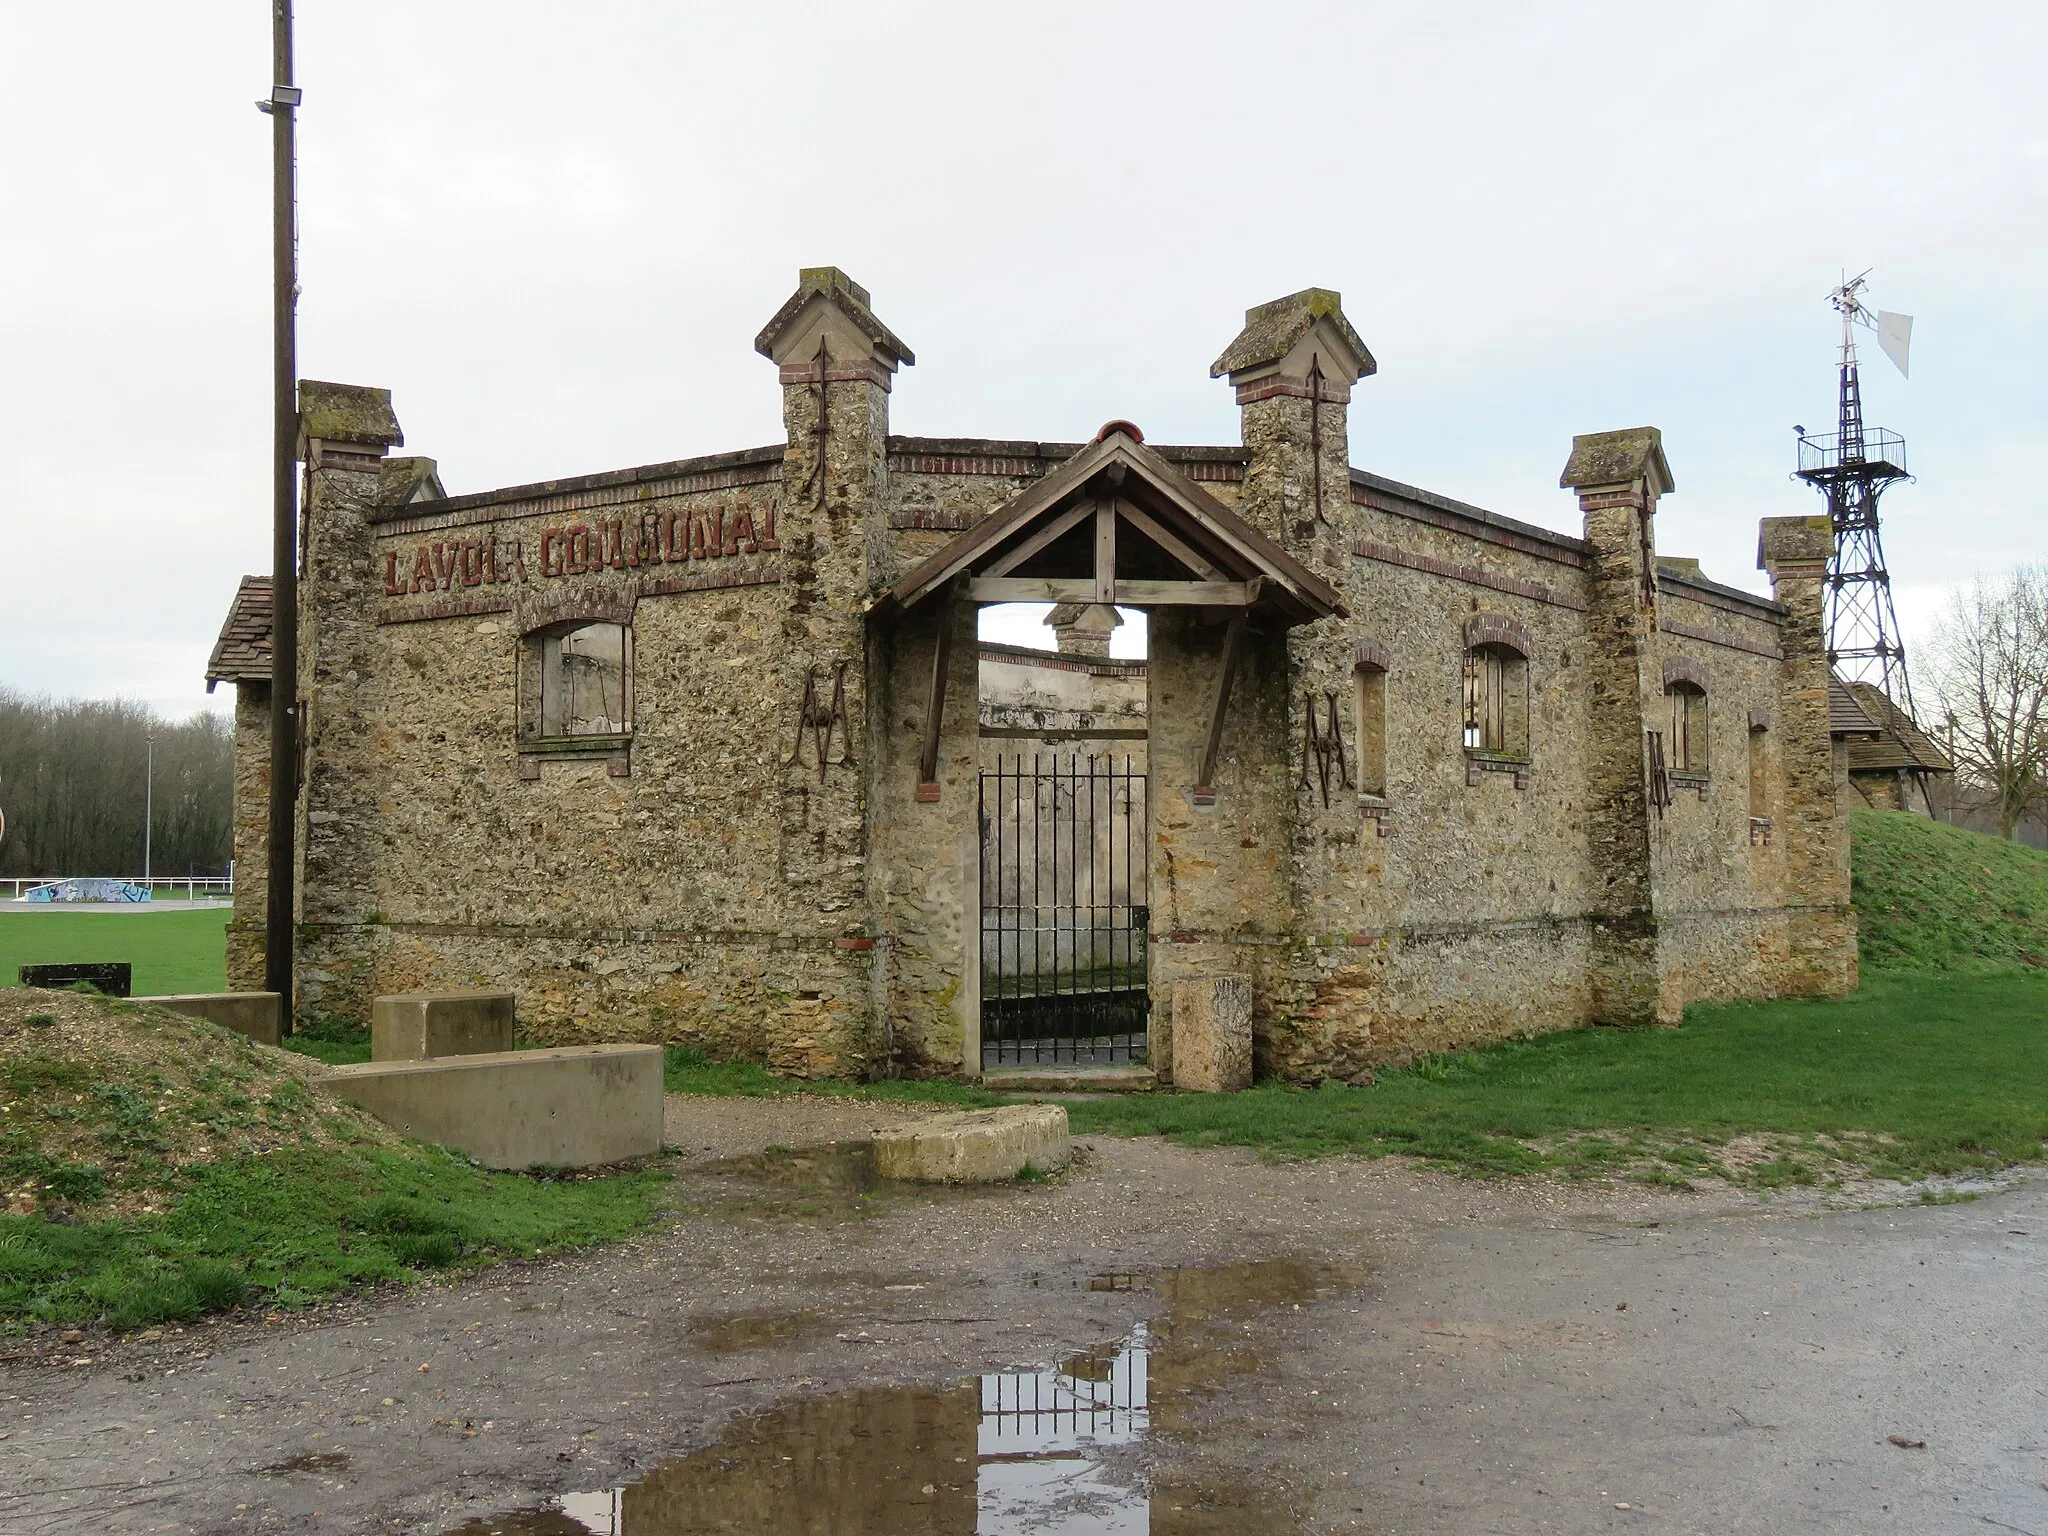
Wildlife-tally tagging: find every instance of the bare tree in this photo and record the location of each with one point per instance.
(1990, 672)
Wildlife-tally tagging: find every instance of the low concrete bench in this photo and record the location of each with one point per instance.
(982, 1146)
(255, 1014)
(574, 1106)
(414, 1026)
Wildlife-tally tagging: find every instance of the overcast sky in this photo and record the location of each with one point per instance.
(553, 231)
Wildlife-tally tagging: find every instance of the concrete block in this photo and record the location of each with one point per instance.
(983, 1146)
(414, 1026)
(576, 1106)
(1212, 1034)
(255, 1014)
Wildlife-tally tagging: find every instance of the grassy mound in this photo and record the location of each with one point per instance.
(154, 1167)
(1934, 897)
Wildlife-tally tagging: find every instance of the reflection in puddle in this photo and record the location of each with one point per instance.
(754, 1330)
(1051, 1452)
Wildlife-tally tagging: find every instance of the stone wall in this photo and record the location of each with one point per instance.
(762, 866)
(245, 971)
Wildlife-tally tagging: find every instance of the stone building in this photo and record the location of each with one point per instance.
(700, 751)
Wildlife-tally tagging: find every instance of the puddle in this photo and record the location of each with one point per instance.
(310, 1461)
(1057, 1451)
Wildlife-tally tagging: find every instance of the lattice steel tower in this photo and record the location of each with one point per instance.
(1851, 469)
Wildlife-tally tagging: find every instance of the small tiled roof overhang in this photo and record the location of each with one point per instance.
(1118, 467)
(242, 653)
(1899, 743)
(1845, 715)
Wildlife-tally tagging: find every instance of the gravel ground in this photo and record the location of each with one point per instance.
(1507, 1356)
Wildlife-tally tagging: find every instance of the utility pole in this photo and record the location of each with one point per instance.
(282, 106)
(148, 797)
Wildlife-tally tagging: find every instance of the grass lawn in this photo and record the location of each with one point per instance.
(299, 1223)
(180, 951)
(1914, 1075)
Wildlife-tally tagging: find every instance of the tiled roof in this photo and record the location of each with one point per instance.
(242, 653)
(1845, 715)
(1901, 744)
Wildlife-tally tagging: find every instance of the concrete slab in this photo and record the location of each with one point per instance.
(982, 1146)
(415, 1026)
(255, 1014)
(575, 1106)
(1071, 1080)
(1212, 1034)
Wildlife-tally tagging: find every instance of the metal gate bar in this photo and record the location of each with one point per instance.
(1063, 912)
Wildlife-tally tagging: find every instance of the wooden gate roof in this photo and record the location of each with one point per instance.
(1119, 524)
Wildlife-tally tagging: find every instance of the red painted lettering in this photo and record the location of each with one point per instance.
(393, 587)
(422, 570)
(550, 559)
(472, 563)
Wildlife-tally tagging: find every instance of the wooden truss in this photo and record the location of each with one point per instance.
(1120, 526)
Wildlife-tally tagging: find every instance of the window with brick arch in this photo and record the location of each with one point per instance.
(576, 682)
(1496, 702)
(1686, 751)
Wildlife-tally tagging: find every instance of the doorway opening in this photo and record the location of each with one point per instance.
(1064, 837)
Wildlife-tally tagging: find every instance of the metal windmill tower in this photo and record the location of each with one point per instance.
(1851, 469)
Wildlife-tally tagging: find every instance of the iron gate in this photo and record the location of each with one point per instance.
(1063, 912)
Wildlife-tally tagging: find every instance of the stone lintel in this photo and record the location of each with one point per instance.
(1794, 546)
(1286, 336)
(356, 415)
(830, 307)
(1612, 463)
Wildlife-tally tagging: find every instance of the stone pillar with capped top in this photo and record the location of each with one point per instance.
(346, 434)
(1812, 828)
(1619, 477)
(837, 363)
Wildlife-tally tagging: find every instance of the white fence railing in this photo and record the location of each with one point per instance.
(180, 888)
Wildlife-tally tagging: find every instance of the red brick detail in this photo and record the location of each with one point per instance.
(853, 943)
(619, 766)
(863, 372)
(965, 464)
(1371, 656)
(1363, 940)
(934, 520)
(1499, 629)
(1472, 575)
(1594, 501)
(927, 794)
(1205, 794)
(1683, 669)
(1334, 391)
(1710, 637)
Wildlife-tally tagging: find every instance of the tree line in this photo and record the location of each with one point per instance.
(72, 789)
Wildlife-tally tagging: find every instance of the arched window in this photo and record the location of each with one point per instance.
(576, 683)
(1685, 697)
(1687, 752)
(1496, 688)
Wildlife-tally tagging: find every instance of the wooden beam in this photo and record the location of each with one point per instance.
(1024, 551)
(1129, 594)
(1233, 642)
(1148, 525)
(935, 711)
(1105, 551)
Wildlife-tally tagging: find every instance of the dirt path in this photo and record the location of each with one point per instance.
(1337, 1345)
